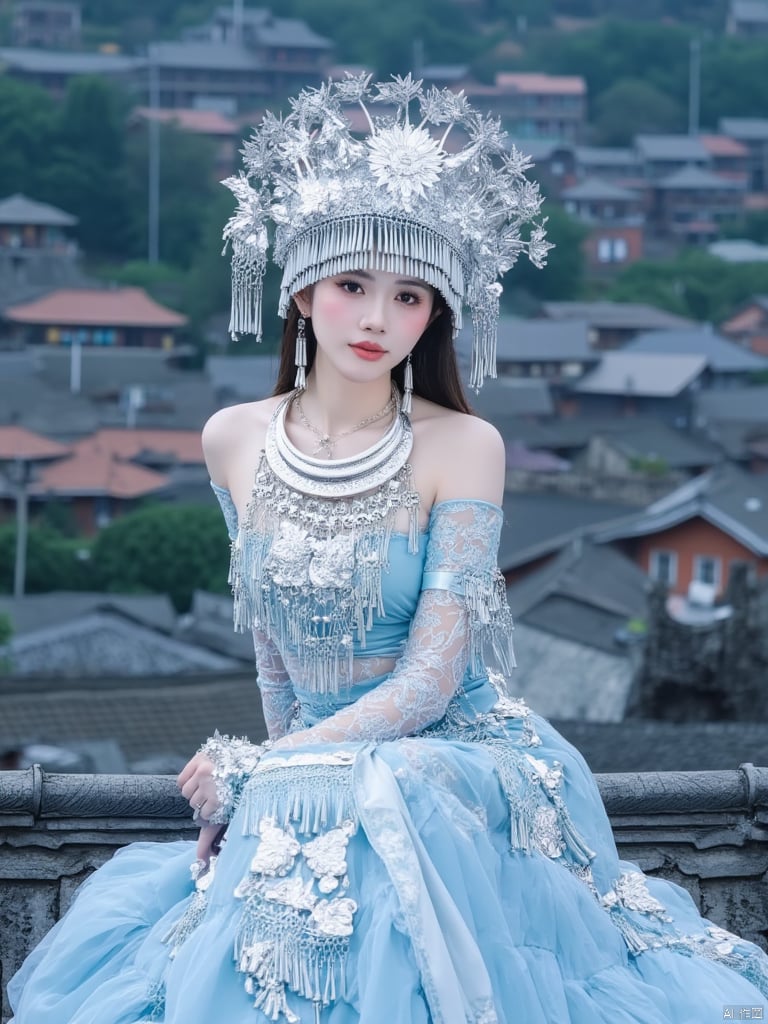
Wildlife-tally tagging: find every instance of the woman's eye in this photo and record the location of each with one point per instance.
(409, 298)
(353, 287)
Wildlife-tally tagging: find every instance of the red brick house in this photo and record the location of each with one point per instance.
(697, 532)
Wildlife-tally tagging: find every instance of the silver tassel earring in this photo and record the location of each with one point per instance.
(301, 355)
(408, 387)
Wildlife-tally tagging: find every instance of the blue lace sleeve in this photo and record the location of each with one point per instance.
(461, 615)
(277, 697)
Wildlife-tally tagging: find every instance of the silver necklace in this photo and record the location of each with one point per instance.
(338, 478)
(327, 442)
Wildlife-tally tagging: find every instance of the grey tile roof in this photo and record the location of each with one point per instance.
(745, 129)
(722, 355)
(739, 250)
(292, 33)
(540, 341)
(586, 593)
(606, 156)
(754, 12)
(597, 189)
(671, 147)
(19, 209)
(737, 405)
(639, 745)
(26, 401)
(147, 717)
(538, 523)
(204, 55)
(699, 178)
(568, 679)
(35, 611)
(243, 377)
(510, 397)
(648, 439)
(645, 374)
(725, 496)
(624, 315)
(106, 643)
(67, 63)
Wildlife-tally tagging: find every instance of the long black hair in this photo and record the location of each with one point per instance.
(435, 370)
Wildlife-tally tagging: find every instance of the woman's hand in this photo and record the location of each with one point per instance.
(208, 842)
(198, 786)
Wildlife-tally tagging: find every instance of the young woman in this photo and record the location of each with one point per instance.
(412, 844)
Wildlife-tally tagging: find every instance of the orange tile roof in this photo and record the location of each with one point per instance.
(20, 443)
(535, 82)
(184, 445)
(107, 307)
(202, 122)
(723, 145)
(97, 473)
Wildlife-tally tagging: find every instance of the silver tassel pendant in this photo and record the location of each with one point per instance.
(407, 405)
(301, 355)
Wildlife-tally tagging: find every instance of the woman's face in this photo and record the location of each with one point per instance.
(367, 321)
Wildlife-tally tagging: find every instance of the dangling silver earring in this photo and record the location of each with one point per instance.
(407, 387)
(301, 355)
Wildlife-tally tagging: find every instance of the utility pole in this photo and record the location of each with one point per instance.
(153, 211)
(694, 86)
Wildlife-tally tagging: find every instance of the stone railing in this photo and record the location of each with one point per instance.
(708, 831)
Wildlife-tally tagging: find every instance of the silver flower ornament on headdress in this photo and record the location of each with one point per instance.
(395, 200)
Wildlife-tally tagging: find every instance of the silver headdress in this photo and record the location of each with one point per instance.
(396, 197)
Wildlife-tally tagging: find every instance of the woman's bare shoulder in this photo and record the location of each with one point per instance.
(467, 454)
(232, 431)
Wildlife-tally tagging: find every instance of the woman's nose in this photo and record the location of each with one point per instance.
(373, 317)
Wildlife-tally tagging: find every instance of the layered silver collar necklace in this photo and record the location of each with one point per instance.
(338, 478)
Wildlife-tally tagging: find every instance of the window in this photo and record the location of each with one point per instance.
(612, 250)
(708, 569)
(664, 567)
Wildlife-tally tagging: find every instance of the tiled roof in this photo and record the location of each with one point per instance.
(182, 446)
(537, 523)
(537, 340)
(623, 315)
(18, 209)
(19, 443)
(722, 145)
(204, 55)
(203, 122)
(699, 178)
(606, 156)
(65, 63)
(243, 377)
(108, 307)
(739, 250)
(753, 12)
(149, 716)
(730, 499)
(513, 396)
(32, 611)
(535, 82)
(643, 374)
(93, 473)
(746, 129)
(735, 405)
(671, 147)
(595, 188)
(722, 355)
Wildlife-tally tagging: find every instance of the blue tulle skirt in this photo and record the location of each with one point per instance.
(427, 880)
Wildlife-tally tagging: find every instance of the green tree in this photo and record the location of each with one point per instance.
(563, 276)
(753, 225)
(27, 115)
(86, 173)
(171, 549)
(52, 561)
(695, 284)
(630, 106)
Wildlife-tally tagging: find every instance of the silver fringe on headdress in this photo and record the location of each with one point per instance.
(394, 200)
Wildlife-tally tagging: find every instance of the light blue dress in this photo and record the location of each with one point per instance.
(439, 855)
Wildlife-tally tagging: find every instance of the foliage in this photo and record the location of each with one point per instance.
(6, 629)
(52, 561)
(753, 225)
(695, 284)
(630, 106)
(171, 549)
(563, 275)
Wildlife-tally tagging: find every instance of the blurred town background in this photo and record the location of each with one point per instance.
(633, 390)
